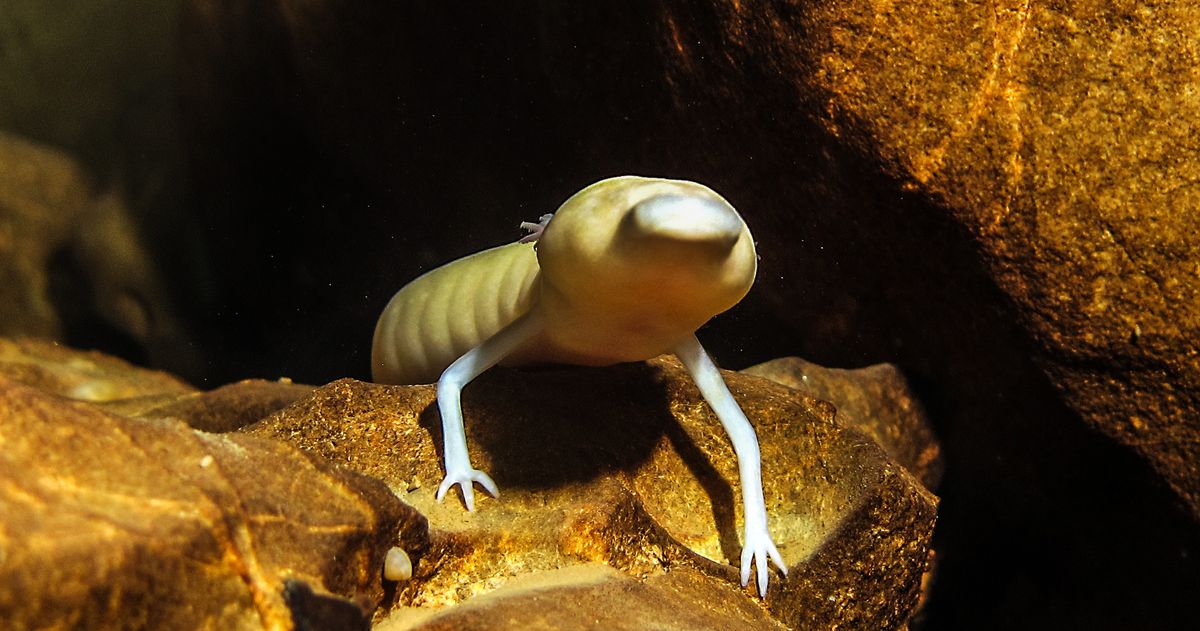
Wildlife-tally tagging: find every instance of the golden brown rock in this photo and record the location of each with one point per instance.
(223, 409)
(1062, 139)
(595, 597)
(874, 400)
(85, 375)
(109, 522)
(627, 466)
(125, 389)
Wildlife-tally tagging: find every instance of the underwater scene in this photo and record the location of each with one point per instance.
(727, 314)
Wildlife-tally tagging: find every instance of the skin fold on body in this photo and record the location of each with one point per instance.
(627, 269)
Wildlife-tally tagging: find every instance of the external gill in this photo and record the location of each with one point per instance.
(535, 229)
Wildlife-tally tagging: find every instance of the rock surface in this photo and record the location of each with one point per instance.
(628, 467)
(680, 600)
(110, 522)
(85, 375)
(223, 409)
(1063, 139)
(633, 521)
(874, 400)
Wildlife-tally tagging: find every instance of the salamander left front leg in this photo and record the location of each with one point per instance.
(758, 544)
(449, 398)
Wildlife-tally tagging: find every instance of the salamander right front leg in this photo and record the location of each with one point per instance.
(449, 390)
(757, 546)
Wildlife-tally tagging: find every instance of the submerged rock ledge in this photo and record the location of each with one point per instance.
(618, 501)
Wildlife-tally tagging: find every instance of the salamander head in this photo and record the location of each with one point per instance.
(660, 248)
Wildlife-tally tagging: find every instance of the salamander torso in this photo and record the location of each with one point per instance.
(439, 316)
(608, 288)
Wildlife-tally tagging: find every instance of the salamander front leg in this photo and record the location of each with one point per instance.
(758, 544)
(449, 390)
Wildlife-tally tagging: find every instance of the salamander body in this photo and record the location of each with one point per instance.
(441, 315)
(627, 269)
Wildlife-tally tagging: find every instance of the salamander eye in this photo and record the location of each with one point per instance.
(686, 218)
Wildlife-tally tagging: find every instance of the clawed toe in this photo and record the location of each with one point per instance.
(755, 554)
(466, 481)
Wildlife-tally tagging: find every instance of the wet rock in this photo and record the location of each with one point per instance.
(311, 610)
(627, 466)
(85, 375)
(1061, 138)
(109, 522)
(122, 388)
(595, 596)
(222, 409)
(874, 400)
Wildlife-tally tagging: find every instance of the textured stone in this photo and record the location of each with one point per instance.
(122, 388)
(1062, 137)
(628, 467)
(595, 597)
(223, 409)
(85, 375)
(108, 522)
(874, 400)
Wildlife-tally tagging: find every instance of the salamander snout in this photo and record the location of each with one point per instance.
(689, 218)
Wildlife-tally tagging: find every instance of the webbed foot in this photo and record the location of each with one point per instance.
(755, 552)
(466, 478)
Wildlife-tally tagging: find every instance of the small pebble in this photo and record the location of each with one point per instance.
(396, 565)
(206, 461)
